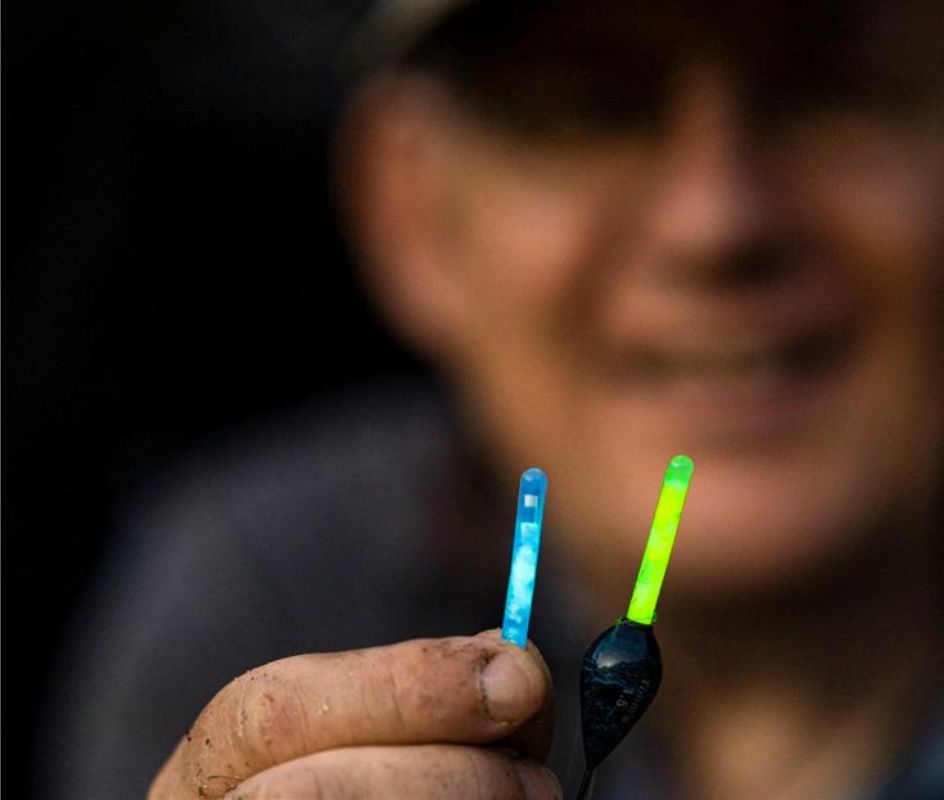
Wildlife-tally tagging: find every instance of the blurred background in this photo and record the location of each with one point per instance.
(172, 272)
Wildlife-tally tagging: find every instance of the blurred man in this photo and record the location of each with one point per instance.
(620, 230)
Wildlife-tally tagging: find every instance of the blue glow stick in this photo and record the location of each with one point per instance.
(524, 556)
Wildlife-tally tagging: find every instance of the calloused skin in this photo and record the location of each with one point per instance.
(466, 717)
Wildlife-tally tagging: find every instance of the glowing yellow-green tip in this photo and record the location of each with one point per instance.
(665, 522)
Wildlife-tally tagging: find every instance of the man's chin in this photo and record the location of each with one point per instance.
(755, 524)
(762, 553)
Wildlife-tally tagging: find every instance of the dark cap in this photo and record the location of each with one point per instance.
(606, 66)
(391, 28)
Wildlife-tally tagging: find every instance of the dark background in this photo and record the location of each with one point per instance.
(172, 270)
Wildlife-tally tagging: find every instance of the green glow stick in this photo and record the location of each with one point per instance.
(665, 522)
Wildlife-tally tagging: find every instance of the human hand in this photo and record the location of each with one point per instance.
(463, 717)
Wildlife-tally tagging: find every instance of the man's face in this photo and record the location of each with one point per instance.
(766, 301)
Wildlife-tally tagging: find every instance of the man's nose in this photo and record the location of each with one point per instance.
(713, 221)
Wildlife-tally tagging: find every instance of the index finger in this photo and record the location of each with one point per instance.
(462, 689)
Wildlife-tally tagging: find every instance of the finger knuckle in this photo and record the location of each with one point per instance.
(388, 697)
(475, 774)
(270, 717)
(309, 783)
(480, 786)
